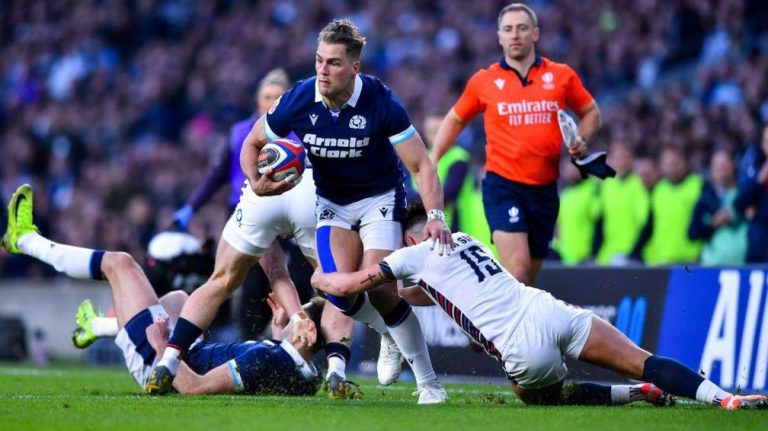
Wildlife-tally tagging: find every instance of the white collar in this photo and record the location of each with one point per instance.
(307, 369)
(352, 100)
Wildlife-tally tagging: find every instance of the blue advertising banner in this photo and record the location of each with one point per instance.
(716, 321)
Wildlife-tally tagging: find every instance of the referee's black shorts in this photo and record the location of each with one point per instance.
(515, 207)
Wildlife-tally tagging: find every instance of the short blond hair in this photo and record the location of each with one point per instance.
(519, 7)
(343, 32)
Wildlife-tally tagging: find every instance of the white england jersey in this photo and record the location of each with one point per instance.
(470, 285)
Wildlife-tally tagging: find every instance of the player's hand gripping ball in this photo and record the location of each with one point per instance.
(286, 157)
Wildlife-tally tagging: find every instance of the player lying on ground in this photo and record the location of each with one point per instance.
(527, 329)
(144, 322)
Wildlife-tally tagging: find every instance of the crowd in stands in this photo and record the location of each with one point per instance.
(113, 109)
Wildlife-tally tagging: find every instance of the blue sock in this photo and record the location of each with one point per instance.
(184, 334)
(672, 376)
(338, 349)
(398, 314)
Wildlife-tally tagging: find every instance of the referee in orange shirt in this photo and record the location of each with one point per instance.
(519, 97)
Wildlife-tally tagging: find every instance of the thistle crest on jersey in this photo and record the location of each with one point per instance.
(285, 156)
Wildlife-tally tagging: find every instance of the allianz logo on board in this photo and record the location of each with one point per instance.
(741, 349)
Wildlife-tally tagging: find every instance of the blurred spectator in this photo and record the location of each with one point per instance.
(664, 239)
(752, 202)
(579, 210)
(714, 221)
(624, 207)
(646, 168)
(104, 100)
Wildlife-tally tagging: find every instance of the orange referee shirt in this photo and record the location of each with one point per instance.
(520, 113)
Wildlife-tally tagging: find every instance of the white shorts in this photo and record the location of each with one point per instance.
(378, 219)
(550, 329)
(140, 357)
(258, 220)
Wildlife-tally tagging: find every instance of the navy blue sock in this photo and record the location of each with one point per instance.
(345, 306)
(184, 334)
(95, 264)
(397, 314)
(672, 376)
(586, 394)
(338, 349)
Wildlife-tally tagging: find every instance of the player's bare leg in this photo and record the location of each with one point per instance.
(515, 255)
(609, 348)
(131, 291)
(199, 311)
(339, 250)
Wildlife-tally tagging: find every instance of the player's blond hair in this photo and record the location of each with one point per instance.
(343, 32)
(519, 7)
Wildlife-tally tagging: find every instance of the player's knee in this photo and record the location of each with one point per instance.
(115, 261)
(177, 295)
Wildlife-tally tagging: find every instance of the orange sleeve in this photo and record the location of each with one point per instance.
(577, 97)
(469, 104)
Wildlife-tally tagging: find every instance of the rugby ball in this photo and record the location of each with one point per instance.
(285, 156)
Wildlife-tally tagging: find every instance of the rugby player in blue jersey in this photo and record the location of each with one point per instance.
(261, 221)
(358, 136)
(143, 321)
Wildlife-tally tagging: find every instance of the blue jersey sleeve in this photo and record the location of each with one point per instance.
(397, 125)
(266, 368)
(277, 122)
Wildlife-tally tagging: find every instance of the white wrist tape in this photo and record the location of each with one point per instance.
(436, 215)
(298, 316)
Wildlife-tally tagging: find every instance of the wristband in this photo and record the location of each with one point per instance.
(436, 215)
(298, 316)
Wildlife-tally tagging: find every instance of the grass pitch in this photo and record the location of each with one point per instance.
(79, 398)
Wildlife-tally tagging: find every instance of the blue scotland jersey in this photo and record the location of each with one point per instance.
(351, 150)
(258, 367)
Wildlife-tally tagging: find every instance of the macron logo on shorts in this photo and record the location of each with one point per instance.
(514, 215)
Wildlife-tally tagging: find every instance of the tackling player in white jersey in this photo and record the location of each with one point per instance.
(526, 329)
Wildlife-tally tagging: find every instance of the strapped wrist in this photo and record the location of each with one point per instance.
(436, 214)
(298, 316)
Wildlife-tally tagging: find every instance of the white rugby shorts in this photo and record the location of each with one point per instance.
(258, 220)
(550, 330)
(140, 358)
(376, 217)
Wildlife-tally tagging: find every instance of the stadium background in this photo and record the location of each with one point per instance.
(114, 109)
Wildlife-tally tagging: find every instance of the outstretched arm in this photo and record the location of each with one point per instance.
(217, 381)
(274, 266)
(415, 158)
(349, 283)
